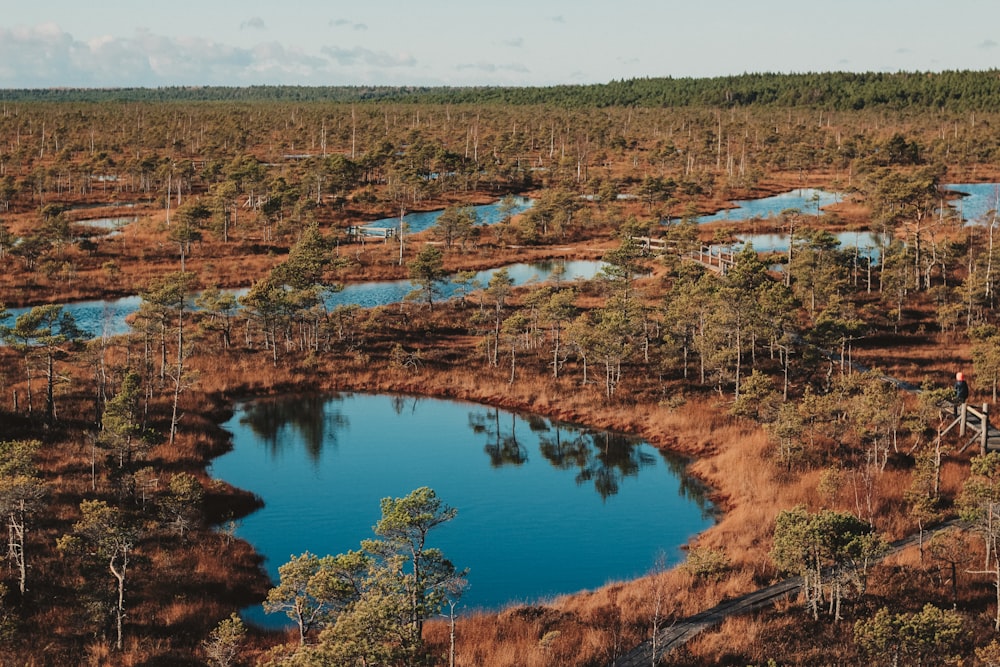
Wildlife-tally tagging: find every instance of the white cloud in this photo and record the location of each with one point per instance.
(255, 23)
(987, 44)
(515, 43)
(344, 23)
(493, 68)
(47, 56)
(362, 56)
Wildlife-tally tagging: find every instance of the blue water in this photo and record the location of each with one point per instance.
(371, 294)
(111, 224)
(867, 243)
(807, 200)
(108, 317)
(489, 214)
(979, 200)
(543, 509)
(98, 318)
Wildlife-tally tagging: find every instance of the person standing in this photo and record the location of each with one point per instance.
(961, 388)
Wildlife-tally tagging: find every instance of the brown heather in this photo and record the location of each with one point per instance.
(182, 588)
(211, 575)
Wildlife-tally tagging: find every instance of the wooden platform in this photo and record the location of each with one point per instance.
(712, 258)
(371, 232)
(975, 421)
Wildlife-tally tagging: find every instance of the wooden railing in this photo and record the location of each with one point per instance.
(978, 421)
(715, 258)
(712, 257)
(371, 232)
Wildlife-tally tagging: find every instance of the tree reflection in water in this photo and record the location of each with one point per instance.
(601, 457)
(690, 487)
(316, 418)
(502, 447)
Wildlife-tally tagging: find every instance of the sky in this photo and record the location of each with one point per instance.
(119, 43)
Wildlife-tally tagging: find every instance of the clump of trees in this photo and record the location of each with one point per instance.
(830, 550)
(369, 606)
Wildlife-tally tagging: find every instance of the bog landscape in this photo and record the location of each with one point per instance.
(656, 372)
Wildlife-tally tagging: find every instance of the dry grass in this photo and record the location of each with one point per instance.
(733, 457)
(202, 579)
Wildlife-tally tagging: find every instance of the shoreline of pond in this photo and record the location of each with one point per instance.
(696, 499)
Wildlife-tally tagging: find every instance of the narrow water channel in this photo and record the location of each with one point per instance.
(109, 317)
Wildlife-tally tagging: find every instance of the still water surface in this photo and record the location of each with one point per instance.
(108, 317)
(978, 200)
(807, 200)
(487, 214)
(543, 508)
(110, 224)
(867, 244)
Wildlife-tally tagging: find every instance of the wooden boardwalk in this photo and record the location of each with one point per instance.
(682, 631)
(713, 258)
(970, 421)
(667, 639)
(973, 425)
(371, 232)
(975, 421)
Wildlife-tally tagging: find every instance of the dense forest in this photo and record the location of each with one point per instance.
(833, 91)
(771, 375)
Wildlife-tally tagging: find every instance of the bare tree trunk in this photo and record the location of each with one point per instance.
(15, 545)
(27, 369)
(451, 634)
(119, 574)
(174, 418)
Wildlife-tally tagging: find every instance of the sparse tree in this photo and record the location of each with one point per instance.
(403, 529)
(180, 506)
(166, 300)
(497, 291)
(979, 505)
(809, 544)
(186, 228)
(951, 548)
(225, 641)
(49, 332)
(218, 309)
(106, 535)
(456, 223)
(427, 271)
(931, 634)
(21, 493)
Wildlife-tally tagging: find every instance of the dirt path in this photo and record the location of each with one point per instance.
(667, 639)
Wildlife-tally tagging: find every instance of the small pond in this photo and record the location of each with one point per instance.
(543, 508)
(807, 200)
(96, 318)
(110, 224)
(488, 214)
(979, 199)
(867, 243)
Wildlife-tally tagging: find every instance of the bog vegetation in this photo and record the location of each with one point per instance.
(121, 549)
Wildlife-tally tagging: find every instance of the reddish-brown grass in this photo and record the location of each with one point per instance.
(183, 587)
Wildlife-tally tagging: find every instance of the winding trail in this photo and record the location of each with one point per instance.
(679, 633)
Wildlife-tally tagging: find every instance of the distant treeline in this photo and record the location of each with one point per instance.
(840, 91)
